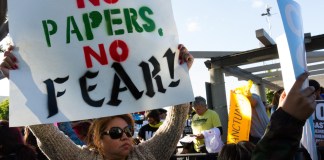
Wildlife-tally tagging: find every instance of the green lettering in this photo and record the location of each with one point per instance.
(150, 26)
(108, 22)
(128, 21)
(117, 21)
(71, 21)
(49, 32)
(92, 20)
(133, 18)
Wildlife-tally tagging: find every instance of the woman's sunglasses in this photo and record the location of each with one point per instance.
(117, 132)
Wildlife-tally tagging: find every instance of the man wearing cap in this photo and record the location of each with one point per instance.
(204, 119)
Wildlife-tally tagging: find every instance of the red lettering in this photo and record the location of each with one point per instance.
(114, 52)
(101, 57)
(88, 52)
(111, 1)
(81, 4)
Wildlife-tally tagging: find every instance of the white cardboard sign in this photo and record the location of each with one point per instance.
(86, 59)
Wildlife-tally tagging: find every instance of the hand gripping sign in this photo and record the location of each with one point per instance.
(292, 55)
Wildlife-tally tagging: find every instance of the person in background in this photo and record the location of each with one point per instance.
(81, 129)
(67, 129)
(188, 130)
(275, 100)
(259, 119)
(163, 114)
(322, 92)
(268, 108)
(204, 119)
(317, 87)
(12, 145)
(111, 137)
(147, 131)
(283, 134)
(188, 147)
(239, 151)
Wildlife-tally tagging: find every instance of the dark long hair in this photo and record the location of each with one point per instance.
(240, 151)
(12, 145)
(276, 97)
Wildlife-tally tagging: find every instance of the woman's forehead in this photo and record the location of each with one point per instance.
(117, 122)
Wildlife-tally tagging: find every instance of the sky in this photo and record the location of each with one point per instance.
(213, 25)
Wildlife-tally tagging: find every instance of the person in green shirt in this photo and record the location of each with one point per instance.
(204, 119)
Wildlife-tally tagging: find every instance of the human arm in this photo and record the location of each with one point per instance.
(281, 139)
(283, 134)
(163, 143)
(56, 145)
(52, 142)
(165, 139)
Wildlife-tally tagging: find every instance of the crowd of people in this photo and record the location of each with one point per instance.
(112, 137)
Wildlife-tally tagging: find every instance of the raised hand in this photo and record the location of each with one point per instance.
(185, 56)
(299, 103)
(9, 62)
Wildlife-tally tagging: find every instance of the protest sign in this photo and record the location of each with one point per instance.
(318, 117)
(85, 59)
(240, 112)
(292, 55)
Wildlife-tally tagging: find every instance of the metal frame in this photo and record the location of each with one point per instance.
(235, 63)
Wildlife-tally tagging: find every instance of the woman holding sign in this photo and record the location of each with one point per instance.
(111, 137)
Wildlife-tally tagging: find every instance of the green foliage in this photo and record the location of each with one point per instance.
(269, 94)
(4, 109)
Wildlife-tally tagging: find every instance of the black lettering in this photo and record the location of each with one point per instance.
(85, 91)
(51, 97)
(128, 82)
(170, 58)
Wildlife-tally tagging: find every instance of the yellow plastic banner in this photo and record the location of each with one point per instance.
(239, 119)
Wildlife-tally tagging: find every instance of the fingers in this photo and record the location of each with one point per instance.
(9, 50)
(185, 56)
(8, 62)
(183, 51)
(283, 95)
(312, 101)
(282, 98)
(299, 81)
(310, 95)
(188, 57)
(180, 46)
(309, 91)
